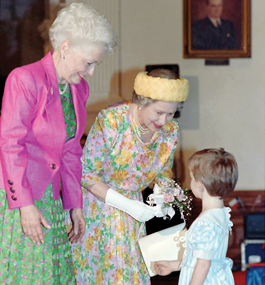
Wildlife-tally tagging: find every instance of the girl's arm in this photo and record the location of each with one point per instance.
(200, 271)
(166, 267)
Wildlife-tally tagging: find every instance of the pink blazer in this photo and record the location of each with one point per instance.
(33, 150)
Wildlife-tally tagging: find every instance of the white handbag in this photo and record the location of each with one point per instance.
(168, 244)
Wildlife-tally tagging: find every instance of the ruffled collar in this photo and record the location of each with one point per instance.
(215, 216)
(228, 216)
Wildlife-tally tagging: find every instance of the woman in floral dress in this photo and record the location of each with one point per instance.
(130, 145)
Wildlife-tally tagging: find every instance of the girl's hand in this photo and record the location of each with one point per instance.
(166, 267)
(31, 222)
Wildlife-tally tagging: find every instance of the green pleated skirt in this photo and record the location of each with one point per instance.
(22, 261)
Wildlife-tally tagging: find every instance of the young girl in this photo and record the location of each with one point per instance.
(214, 174)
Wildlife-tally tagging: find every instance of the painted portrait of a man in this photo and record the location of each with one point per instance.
(212, 29)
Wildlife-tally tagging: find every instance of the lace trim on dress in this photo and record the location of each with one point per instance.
(228, 216)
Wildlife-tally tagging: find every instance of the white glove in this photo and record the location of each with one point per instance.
(157, 200)
(138, 210)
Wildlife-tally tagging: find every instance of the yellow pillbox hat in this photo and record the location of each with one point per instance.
(161, 89)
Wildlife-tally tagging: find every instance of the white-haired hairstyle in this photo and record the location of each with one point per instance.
(81, 24)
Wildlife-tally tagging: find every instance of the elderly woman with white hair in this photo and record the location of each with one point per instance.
(43, 118)
(130, 145)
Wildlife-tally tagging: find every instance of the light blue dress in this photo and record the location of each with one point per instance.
(207, 238)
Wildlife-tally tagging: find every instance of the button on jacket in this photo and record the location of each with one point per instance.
(33, 151)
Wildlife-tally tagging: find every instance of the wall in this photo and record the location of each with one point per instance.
(226, 107)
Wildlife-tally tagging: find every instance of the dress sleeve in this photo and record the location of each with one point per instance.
(205, 239)
(98, 144)
(171, 139)
(167, 172)
(18, 108)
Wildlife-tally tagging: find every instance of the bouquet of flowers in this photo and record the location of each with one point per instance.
(169, 195)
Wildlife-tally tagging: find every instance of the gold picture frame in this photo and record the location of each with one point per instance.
(200, 42)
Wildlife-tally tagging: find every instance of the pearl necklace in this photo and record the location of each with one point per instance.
(65, 87)
(142, 129)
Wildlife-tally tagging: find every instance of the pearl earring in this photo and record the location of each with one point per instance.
(62, 56)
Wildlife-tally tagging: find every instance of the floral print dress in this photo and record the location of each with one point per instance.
(114, 154)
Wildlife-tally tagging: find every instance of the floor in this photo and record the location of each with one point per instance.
(171, 279)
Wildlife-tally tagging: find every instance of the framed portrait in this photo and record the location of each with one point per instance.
(216, 28)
